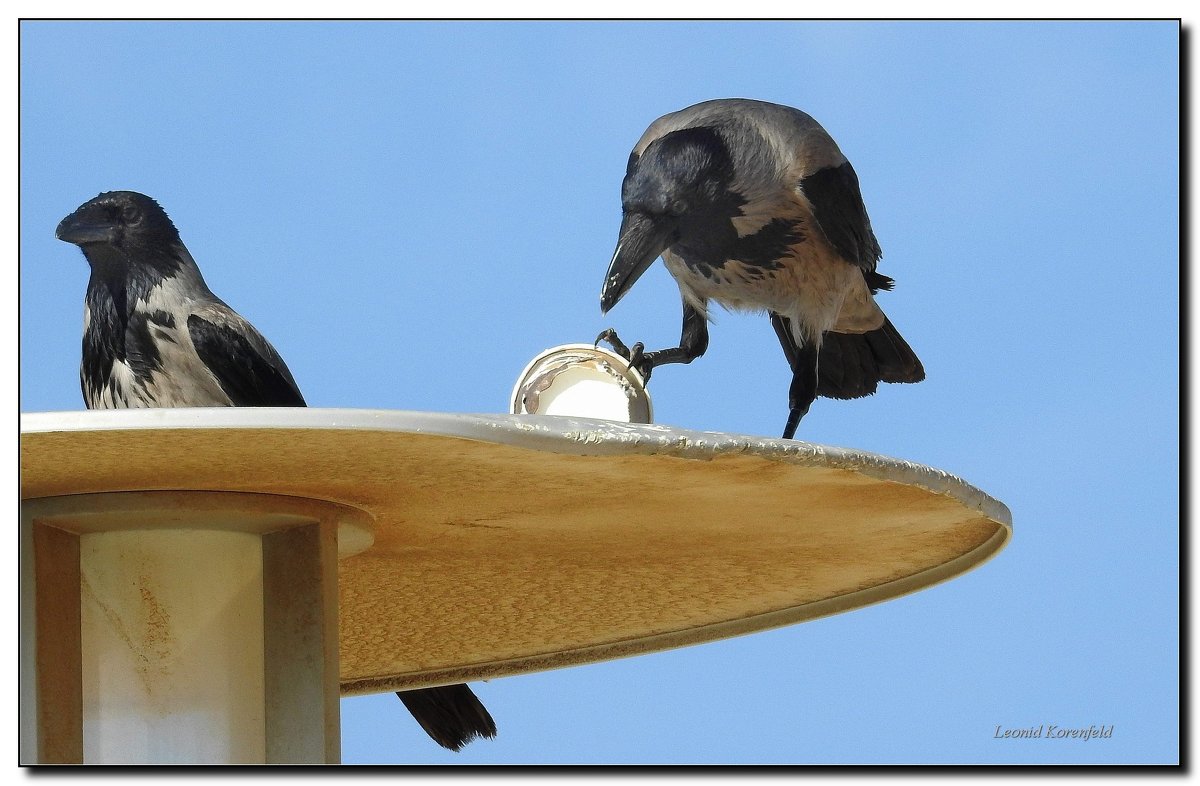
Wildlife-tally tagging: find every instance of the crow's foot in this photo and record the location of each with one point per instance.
(635, 355)
(609, 336)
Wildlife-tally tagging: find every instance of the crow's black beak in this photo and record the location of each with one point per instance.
(643, 238)
(80, 230)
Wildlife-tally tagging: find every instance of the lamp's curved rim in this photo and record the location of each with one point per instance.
(505, 544)
(559, 434)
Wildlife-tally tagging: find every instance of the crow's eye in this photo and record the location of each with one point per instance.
(676, 208)
(131, 214)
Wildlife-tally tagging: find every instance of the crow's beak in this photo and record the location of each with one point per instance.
(643, 238)
(80, 230)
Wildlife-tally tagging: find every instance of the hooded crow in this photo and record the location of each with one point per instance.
(154, 335)
(752, 205)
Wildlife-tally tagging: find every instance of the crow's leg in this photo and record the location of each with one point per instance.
(803, 361)
(802, 391)
(692, 344)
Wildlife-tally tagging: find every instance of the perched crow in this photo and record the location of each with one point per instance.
(154, 335)
(752, 205)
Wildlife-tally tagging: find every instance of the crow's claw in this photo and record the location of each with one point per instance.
(637, 359)
(635, 355)
(609, 336)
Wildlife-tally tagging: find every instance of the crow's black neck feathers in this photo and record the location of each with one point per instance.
(688, 175)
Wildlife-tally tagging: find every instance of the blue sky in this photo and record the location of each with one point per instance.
(411, 211)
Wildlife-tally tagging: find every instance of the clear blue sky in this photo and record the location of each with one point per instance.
(411, 211)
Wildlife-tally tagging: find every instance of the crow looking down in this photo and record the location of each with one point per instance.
(753, 205)
(154, 335)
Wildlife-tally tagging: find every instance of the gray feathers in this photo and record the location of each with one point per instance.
(154, 335)
(765, 211)
(753, 206)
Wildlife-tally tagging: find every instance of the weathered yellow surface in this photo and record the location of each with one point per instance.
(492, 558)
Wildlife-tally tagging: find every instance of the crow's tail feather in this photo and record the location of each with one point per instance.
(851, 365)
(451, 714)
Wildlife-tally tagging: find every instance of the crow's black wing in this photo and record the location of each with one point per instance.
(838, 207)
(248, 368)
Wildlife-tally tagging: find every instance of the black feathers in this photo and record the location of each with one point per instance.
(451, 714)
(679, 172)
(126, 236)
(768, 247)
(852, 365)
(141, 348)
(103, 342)
(753, 206)
(877, 282)
(156, 336)
(161, 318)
(246, 376)
(681, 183)
(838, 207)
